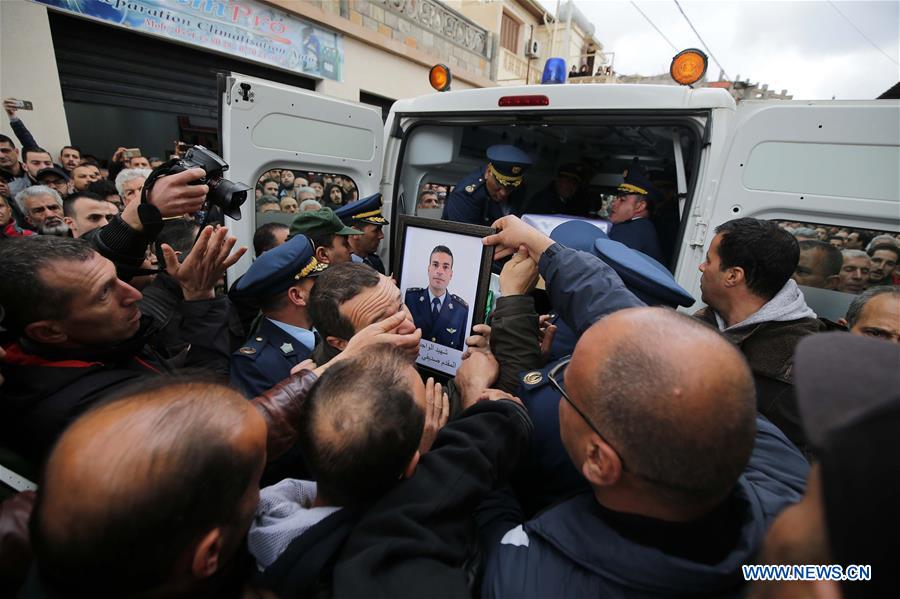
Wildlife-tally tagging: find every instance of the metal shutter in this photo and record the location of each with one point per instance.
(101, 64)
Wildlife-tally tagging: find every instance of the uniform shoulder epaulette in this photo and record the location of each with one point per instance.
(471, 187)
(459, 300)
(414, 289)
(252, 348)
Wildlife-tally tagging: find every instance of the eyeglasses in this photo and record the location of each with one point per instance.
(556, 378)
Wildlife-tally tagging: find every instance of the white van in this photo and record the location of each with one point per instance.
(828, 163)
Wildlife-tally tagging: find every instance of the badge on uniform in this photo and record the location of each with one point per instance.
(421, 298)
(470, 188)
(286, 348)
(247, 351)
(533, 378)
(451, 331)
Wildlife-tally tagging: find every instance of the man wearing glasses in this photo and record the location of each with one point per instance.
(658, 416)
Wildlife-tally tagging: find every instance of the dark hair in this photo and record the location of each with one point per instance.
(361, 426)
(884, 246)
(443, 249)
(26, 295)
(103, 188)
(264, 238)
(192, 479)
(178, 233)
(326, 195)
(854, 311)
(69, 201)
(89, 160)
(325, 240)
(34, 150)
(337, 284)
(832, 260)
(767, 254)
(7, 140)
(64, 148)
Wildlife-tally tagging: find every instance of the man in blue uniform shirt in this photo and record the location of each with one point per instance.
(491, 192)
(630, 213)
(280, 282)
(441, 315)
(365, 215)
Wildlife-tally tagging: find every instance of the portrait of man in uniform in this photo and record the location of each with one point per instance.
(441, 315)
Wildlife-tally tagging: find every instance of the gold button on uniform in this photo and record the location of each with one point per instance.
(533, 378)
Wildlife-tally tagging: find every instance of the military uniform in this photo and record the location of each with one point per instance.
(470, 202)
(267, 358)
(639, 233)
(449, 328)
(366, 211)
(276, 347)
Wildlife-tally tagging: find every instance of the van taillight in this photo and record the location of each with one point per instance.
(524, 101)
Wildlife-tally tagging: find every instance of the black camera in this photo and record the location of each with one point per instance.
(227, 195)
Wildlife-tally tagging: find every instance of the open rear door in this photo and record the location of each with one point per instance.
(267, 125)
(834, 160)
(821, 164)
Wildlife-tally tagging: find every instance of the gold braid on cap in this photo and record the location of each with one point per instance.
(312, 266)
(633, 189)
(504, 180)
(373, 215)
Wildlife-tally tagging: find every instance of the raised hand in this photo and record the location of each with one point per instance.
(205, 264)
(437, 411)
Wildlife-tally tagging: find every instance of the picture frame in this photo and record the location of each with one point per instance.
(445, 303)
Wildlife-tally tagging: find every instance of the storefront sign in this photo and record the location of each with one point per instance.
(243, 28)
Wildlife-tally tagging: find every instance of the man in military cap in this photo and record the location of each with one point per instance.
(490, 192)
(630, 213)
(327, 234)
(280, 282)
(441, 315)
(365, 215)
(561, 195)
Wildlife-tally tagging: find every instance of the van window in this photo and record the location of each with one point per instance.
(837, 263)
(431, 198)
(598, 148)
(281, 193)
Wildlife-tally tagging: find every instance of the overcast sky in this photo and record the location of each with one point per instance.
(805, 47)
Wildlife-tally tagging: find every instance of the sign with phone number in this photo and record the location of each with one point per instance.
(243, 28)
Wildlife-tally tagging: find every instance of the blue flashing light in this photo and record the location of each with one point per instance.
(554, 71)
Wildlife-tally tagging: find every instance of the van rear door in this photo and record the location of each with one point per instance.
(267, 125)
(829, 163)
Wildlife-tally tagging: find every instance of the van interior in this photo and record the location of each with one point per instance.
(440, 154)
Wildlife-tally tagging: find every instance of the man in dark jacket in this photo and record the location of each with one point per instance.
(753, 301)
(81, 333)
(667, 496)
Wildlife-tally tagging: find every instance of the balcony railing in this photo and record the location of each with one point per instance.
(443, 21)
(515, 70)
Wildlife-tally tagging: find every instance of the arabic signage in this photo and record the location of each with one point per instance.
(244, 28)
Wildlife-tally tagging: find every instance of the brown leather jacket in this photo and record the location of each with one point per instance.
(280, 408)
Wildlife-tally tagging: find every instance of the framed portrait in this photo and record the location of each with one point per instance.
(443, 271)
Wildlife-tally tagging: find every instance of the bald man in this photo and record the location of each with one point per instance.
(676, 501)
(641, 417)
(150, 494)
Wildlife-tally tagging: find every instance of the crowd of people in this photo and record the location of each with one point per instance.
(283, 190)
(277, 440)
(845, 259)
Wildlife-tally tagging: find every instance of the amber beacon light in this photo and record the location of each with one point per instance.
(439, 77)
(688, 66)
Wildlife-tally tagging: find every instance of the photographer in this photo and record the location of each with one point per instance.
(80, 331)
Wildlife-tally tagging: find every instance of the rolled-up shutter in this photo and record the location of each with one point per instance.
(101, 64)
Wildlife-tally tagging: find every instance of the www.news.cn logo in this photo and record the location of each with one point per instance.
(807, 572)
